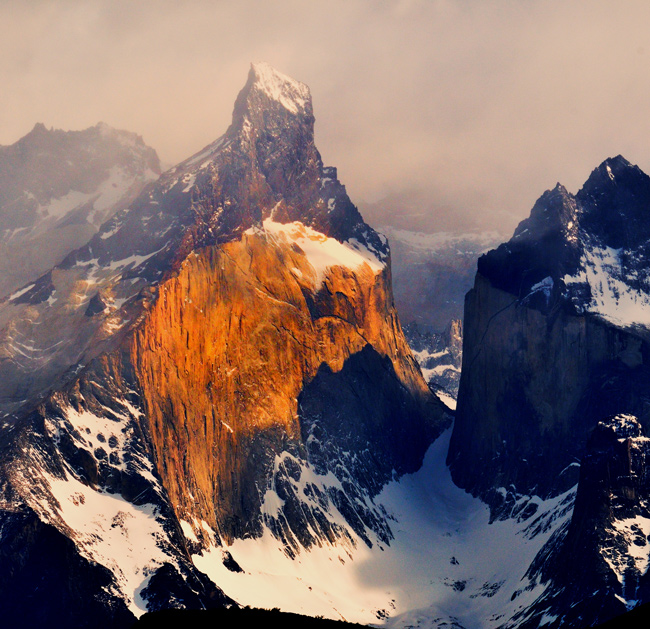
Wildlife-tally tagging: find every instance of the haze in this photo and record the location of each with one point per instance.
(468, 110)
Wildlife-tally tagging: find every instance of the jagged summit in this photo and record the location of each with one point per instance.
(291, 94)
(270, 103)
(620, 181)
(274, 172)
(267, 94)
(39, 127)
(41, 133)
(553, 211)
(265, 168)
(609, 171)
(590, 248)
(616, 204)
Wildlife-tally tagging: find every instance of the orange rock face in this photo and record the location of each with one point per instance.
(225, 352)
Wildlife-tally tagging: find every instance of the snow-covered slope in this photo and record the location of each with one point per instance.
(444, 562)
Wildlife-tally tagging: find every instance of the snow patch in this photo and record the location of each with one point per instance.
(633, 534)
(446, 399)
(114, 533)
(545, 287)
(208, 151)
(321, 251)
(611, 297)
(21, 292)
(188, 531)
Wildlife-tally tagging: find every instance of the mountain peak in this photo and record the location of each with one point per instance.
(613, 166)
(38, 131)
(277, 110)
(291, 94)
(612, 171)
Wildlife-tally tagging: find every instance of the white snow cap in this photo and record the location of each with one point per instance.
(291, 94)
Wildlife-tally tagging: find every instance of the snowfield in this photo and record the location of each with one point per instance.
(446, 563)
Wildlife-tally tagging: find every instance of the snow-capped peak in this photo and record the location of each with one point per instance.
(291, 94)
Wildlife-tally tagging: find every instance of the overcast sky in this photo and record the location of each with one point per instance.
(480, 105)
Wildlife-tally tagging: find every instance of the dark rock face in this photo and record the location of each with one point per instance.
(65, 498)
(550, 345)
(598, 570)
(534, 385)
(44, 579)
(96, 305)
(369, 428)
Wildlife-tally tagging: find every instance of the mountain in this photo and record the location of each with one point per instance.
(553, 393)
(58, 187)
(431, 274)
(220, 367)
(439, 355)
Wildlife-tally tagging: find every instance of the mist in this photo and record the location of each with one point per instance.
(471, 108)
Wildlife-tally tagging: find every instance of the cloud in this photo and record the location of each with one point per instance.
(479, 107)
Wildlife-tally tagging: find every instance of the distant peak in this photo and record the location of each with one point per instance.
(614, 171)
(104, 128)
(291, 94)
(38, 133)
(618, 161)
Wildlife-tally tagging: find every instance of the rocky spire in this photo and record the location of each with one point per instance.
(291, 94)
(616, 203)
(269, 94)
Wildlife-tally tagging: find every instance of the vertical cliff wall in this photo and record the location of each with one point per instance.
(226, 352)
(534, 383)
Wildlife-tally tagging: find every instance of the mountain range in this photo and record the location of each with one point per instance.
(211, 401)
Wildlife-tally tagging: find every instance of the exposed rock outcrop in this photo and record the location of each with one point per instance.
(597, 569)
